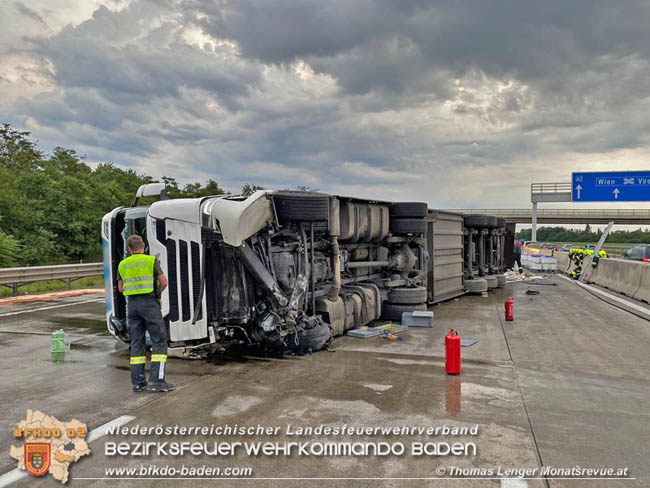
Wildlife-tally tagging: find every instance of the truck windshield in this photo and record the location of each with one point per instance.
(135, 222)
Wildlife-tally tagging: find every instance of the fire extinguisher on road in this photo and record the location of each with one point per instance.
(452, 352)
(510, 310)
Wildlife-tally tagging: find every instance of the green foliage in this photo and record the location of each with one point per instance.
(247, 189)
(191, 190)
(8, 251)
(53, 205)
(561, 234)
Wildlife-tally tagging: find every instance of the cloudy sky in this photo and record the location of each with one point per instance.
(457, 103)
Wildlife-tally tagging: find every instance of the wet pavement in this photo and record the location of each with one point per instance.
(566, 384)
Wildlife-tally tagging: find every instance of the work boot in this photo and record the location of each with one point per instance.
(160, 386)
(139, 387)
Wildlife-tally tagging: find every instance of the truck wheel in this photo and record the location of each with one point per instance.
(409, 209)
(501, 281)
(501, 222)
(475, 220)
(491, 221)
(408, 295)
(476, 286)
(393, 311)
(302, 206)
(408, 226)
(491, 281)
(313, 339)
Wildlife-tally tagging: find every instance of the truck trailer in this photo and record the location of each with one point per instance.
(288, 270)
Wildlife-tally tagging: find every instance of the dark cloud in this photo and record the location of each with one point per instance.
(27, 12)
(368, 96)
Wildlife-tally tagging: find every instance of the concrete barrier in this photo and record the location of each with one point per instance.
(563, 261)
(643, 293)
(619, 275)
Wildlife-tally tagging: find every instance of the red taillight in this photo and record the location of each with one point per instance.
(645, 260)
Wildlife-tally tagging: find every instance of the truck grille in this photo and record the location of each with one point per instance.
(196, 276)
(170, 244)
(185, 280)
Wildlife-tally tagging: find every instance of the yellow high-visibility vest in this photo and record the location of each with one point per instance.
(136, 272)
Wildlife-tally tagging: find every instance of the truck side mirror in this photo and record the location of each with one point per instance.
(149, 190)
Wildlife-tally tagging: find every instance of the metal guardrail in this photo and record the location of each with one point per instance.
(562, 212)
(565, 215)
(550, 188)
(612, 250)
(14, 277)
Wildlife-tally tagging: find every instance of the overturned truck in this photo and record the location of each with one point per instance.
(284, 270)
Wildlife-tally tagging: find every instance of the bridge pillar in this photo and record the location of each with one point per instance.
(533, 236)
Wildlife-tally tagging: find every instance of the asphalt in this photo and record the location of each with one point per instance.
(566, 384)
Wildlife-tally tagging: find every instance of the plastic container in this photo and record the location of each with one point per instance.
(58, 342)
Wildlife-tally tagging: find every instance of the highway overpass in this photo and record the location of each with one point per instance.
(568, 216)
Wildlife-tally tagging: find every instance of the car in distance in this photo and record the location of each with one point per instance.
(638, 253)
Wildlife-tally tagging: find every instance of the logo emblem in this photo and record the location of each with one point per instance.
(37, 457)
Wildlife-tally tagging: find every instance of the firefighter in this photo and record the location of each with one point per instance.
(138, 273)
(601, 254)
(516, 251)
(577, 255)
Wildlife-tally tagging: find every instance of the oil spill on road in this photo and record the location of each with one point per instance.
(96, 326)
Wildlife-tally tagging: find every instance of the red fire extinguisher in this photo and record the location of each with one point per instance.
(510, 309)
(452, 347)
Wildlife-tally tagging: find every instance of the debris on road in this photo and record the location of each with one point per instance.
(40, 297)
(417, 319)
(512, 276)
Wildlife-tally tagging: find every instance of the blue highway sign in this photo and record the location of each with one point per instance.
(613, 186)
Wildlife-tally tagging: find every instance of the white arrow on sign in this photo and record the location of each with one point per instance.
(616, 192)
(578, 188)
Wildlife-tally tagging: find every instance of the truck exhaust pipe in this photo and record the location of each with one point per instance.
(336, 268)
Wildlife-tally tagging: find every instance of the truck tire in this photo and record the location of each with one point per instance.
(310, 340)
(408, 295)
(501, 222)
(298, 205)
(478, 285)
(501, 281)
(491, 281)
(393, 311)
(491, 221)
(408, 226)
(475, 220)
(409, 209)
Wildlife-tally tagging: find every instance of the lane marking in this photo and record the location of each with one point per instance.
(102, 430)
(513, 483)
(627, 303)
(19, 474)
(50, 307)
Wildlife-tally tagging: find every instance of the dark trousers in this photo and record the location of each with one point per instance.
(518, 259)
(144, 316)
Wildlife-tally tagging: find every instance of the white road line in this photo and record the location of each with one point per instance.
(513, 483)
(102, 430)
(50, 307)
(627, 303)
(19, 474)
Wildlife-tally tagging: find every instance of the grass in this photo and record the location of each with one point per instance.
(52, 285)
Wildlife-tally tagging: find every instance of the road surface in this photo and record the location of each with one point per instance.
(565, 384)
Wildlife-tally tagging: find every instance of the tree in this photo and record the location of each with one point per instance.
(248, 188)
(305, 188)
